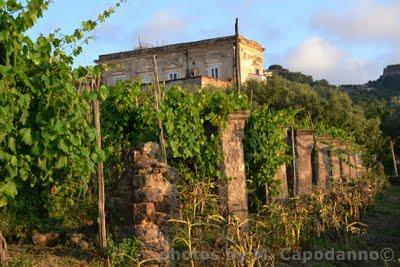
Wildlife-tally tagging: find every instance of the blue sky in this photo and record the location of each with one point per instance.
(343, 41)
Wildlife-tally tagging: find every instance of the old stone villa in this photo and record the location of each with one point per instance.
(200, 63)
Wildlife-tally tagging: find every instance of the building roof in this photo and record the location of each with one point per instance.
(176, 47)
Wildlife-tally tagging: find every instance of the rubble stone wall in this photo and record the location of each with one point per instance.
(145, 199)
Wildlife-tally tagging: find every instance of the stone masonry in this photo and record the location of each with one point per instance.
(322, 164)
(335, 161)
(353, 165)
(234, 191)
(360, 168)
(145, 200)
(304, 144)
(283, 186)
(344, 166)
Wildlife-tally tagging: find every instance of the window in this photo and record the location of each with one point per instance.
(145, 78)
(173, 76)
(119, 78)
(214, 72)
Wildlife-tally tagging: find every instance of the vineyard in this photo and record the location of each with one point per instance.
(62, 130)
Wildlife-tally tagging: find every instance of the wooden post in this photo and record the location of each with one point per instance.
(3, 250)
(157, 107)
(394, 158)
(251, 97)
(237, 56)
(100, 175)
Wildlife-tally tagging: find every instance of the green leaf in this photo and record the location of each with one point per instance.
(11, 144)
(26, 136)
(62, 162)
(14, 161)
(42, 163)
(62, 146)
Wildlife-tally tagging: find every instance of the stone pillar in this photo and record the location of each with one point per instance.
(345, 165)
(353, 165)
(145, 200)
(360, 168)
(344, 159)
(322, 163)
(304, 144)
(234, 191)
(283, 186)
(334, 161)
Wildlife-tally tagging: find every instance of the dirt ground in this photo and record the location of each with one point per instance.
(26, 256)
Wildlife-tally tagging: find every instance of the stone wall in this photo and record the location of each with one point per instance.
(144, 201)
(322, 164)
(234, 191)
(283, 185)
(353, 165)
(334, 162)
(345, 167)
(360, 168)
(304, 144)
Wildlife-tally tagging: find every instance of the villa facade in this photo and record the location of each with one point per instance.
(201, 63)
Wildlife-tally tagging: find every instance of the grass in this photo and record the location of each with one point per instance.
(383, 231)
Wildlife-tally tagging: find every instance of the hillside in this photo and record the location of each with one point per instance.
(385, 87)
(377, 100)
(297, 76)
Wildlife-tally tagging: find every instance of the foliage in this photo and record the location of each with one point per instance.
(321, 108)
(265, 148)
(124, 253)
(191, 121)
(47, 148)
(379, 100)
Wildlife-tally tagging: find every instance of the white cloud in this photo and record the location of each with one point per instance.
(162, 26)
(365, 20)
(313, 55)
(323, 60)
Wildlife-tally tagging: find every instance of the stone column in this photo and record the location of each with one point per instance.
(334, 161)
(234, 191)
(304, 144)
(353, 165)
(322, 163)
(145, 200)
(360, 168)
(283, 186)
(344, 164)
(340, 151)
